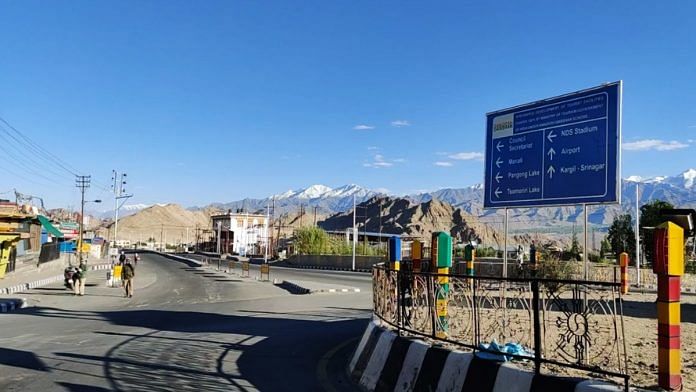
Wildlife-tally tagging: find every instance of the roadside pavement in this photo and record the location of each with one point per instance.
(14, 284)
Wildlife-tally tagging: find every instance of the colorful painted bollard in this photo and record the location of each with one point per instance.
(441, 254)
(623, 265)
(469, 256)
(669, 267)
(416, 255)
(395, 253)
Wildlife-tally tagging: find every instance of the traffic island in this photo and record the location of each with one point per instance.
(388, 362)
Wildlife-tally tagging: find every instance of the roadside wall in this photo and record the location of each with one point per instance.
(337, 262)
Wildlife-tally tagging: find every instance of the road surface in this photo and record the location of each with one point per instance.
(185, 329)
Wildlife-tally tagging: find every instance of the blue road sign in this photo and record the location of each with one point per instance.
(558, 151)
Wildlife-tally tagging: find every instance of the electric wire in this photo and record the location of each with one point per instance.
(42, 151)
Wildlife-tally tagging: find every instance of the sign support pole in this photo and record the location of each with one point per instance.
(585, 249)
(637, 238)
(505, 251)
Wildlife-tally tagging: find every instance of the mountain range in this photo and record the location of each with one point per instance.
(679, 190)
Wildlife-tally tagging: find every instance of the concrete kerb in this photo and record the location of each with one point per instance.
(46, 281)
(385, 361)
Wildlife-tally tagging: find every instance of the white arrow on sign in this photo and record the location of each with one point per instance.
(499, 146)
(551, 136)
(497, 192)
(498, 162)
(550, 153)
(551, 170)
(498, 177)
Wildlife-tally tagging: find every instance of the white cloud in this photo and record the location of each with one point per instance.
(467, 156)
(379, 161)
(400, 123)
(363, 127)
(691, 141)
(654, 144)
(443, 163)
(382, 190)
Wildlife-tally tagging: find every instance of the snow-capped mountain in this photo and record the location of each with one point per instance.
(327, 200)
(679, 190)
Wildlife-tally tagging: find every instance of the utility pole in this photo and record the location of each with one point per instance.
(119, 194)
(219, 233)
(354, 232)
(301, 214)
(637, 236)
(82, 182)
(162, 247)
(265, 232)
(315, 216)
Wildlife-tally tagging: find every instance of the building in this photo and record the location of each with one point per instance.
(241, 233)
(26, 238)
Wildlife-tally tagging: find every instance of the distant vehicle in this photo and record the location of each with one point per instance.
(69, 276)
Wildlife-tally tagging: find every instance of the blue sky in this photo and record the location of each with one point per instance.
(220, 100)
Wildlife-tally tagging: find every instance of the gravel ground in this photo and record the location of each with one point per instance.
(640, 324)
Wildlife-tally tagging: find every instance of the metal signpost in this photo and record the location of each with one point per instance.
(558, 151)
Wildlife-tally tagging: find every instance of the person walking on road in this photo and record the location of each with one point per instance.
(127, 275)
(80, 278)
(122, 258)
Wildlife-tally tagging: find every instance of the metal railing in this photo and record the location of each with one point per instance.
(565, 326)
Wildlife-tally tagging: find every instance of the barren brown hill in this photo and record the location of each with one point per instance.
(399, 216)
(171, 223)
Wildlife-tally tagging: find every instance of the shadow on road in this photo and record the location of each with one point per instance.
(80, 387)
(649, 310)
(23, 359)
(195, 351)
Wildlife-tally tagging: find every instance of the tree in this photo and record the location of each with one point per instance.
(605, 248)
(650, 213)
(650, 217)
(622, 236)
(574, 251)
(311, 241)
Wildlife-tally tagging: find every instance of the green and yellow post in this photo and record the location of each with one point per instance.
(469, 257)
(441, 254)
(669, 267)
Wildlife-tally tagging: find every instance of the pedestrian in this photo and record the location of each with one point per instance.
(80, 277)
(122, 258)
(520, 254)
(532, 254)
(127, 275)
(136, 258)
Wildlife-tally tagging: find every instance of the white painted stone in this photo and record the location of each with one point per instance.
(512, 379)
(411, 366)
(454, 373)
(361, 345)
(376, 363)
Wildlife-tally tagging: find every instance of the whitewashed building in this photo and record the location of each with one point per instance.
(241, 233)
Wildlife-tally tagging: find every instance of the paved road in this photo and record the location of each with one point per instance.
(185, 329)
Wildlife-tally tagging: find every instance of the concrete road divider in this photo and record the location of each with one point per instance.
(384, 361)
